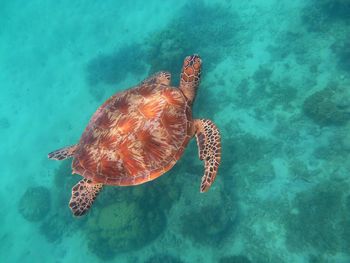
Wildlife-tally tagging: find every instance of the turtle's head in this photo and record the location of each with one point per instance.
(191, 69)
(190, 76)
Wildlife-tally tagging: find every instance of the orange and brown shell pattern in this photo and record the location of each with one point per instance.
(135, 136)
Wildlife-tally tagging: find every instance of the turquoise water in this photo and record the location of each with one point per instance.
(275, 80)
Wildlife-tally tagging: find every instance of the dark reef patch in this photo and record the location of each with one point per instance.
(342, 52)
(63, 178)
(247, 148)
(335, 9)
(234, 259)
(242, 149)
(122, 227)
(319, 14)
(35, 203)
(4, 123)
(328, 106)
(209, 225)
(318, 219)
(60, 221)
(207, 106)
(192, 31)
(112, 68)
(163, 258)
(159, 194)
(265, 94)
(212, 221)
(128, 218)
(286, 44)
(276, 94)
(53, 228)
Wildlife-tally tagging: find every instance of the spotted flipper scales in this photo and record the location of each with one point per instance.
(83, 195)
(62, 153)
(209, 144)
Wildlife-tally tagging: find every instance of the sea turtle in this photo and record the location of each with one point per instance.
(139, 134)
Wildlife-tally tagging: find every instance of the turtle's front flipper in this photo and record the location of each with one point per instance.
(83, 196)
(208, 140)
(62, 153)
(162, 77)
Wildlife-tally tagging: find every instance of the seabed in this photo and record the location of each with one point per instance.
(275, 80)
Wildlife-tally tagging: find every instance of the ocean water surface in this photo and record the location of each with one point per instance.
(275, 80)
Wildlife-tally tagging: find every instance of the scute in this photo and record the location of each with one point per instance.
(135, 136)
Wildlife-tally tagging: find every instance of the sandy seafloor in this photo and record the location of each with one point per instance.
(276, 80)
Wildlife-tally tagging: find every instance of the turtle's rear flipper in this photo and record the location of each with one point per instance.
(209, 144)
(62, 153)
(83, 196)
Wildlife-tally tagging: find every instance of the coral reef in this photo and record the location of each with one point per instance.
(326, 107)
(234, 259)
(60, 221)
(157, 195)
(319, 14)
(4, 123)
(262, 76)
(336, 9)
(53, 228)
(318, 219)
(112, 68)
(63, 178)
(335, 149)
(240, 150)
(163, 258)
(60, 224)
(247, 148)
(208, 225)
(166, 51)
(63, 183)
(139, 219)
(121, 227)
(271, 94)
(210, 219)
(275, 94)
(342, 51)
(289, 43)
(188, 33)
(35, 203)
(161, 193)
(209, 106)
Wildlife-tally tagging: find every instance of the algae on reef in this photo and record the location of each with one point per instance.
(129, 218)
(318, 15)
(163, 258)
(123, 227)
(234, 259)
(188, 33)
(113, 68)
(60, 222)
(35, 203)
(342, 51)
(209, 219)
(319, 219)
(325, 107)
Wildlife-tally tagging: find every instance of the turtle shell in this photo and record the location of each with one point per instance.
(135, 136)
